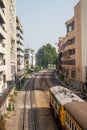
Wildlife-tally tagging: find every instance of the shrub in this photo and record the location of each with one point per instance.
(9, 107)
(61, 77)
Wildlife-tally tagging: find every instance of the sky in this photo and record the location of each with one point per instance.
(43, 21)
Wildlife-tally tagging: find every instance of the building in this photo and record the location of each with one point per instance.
(60, 43)
(11, 53)
(20, 50)
(29, 58)
(3, 85)
(8, 60)
(73, 57)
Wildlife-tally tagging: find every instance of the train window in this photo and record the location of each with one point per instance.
(72, 126)
(68, 120)
(76, 128)
(70, 123)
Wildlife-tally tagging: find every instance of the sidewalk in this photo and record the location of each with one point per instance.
(12, 118)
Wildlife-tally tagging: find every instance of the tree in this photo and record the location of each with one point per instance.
(46, 55)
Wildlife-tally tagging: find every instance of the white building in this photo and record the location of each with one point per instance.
(2, 47)
(20, 50)
(11, 56)
(29, 58)
(8, 57)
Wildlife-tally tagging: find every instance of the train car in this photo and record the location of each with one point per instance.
(76, 116)
(69, 109)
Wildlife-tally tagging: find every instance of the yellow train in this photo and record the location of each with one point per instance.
(69, 109)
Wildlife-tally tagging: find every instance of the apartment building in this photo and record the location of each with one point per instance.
(8, 60)
(74, 48)
(20, 50)
(3, 85)
(11, 53)
(29, 58)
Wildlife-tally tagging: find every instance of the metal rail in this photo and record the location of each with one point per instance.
(31, 104)
(31, 85)
(24, 112)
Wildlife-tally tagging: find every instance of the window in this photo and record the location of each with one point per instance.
(76, 128)
(73, 73)
(72, 126)
(70, 27)
(72, 51)
(69, 42)
(67, 72)
(68, 62)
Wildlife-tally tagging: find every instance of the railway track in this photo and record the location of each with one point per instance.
(47, 81)
(28, 115)
(33, 125)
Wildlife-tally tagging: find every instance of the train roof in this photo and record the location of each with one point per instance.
(64, 95)
(78, 110)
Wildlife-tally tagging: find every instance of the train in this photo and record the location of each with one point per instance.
(69, 109)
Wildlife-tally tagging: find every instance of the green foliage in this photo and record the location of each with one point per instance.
(28, 72)
(9, 107)
(61, 77)
(18, 86)
(15, 93)
(37, 68)
(46, 55)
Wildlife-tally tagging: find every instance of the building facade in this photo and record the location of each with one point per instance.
(11, 53)
(8, 60)
(60, 44)
(20, 50)
(73, 53)
(29, 58)
(3, 84)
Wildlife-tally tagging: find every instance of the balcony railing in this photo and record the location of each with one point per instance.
(2, 15)
(2, 62)
(2, 3)
(2, 49)
(2, 32)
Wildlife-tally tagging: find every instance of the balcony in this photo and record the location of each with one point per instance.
(2, 32)
(20, 53)
(2, 49)
(1, 83)
(20, 40)
(20, 67)
(19, 33)
(2, 3)
(2, 16)
(20, 46)
(2, 65)
(20, 75)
